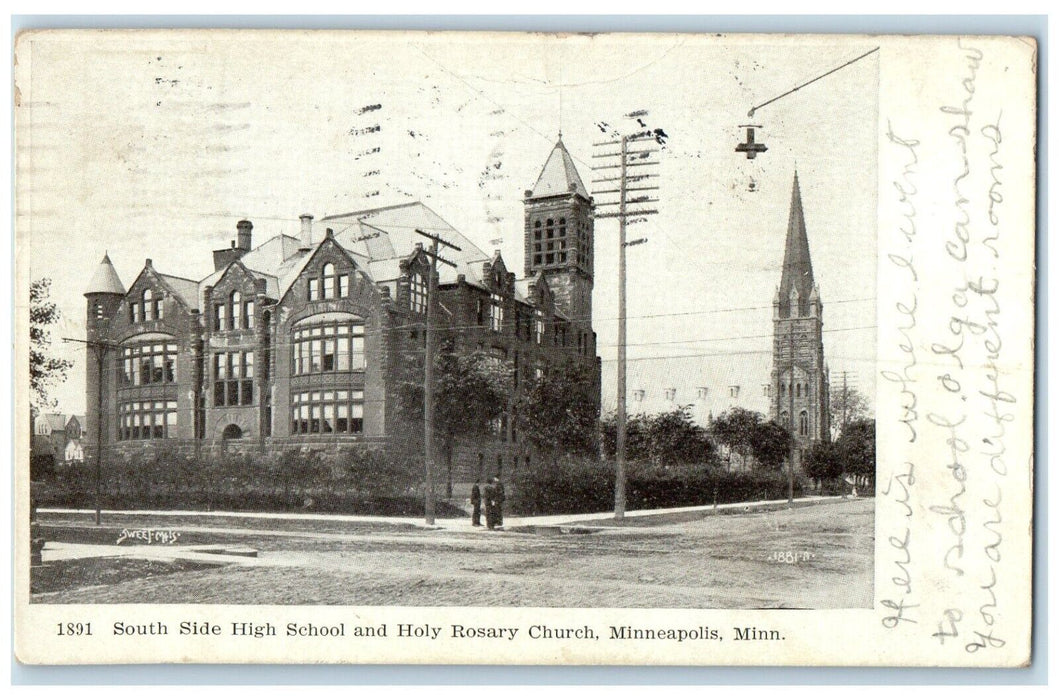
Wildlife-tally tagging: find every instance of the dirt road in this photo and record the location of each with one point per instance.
(814, 557)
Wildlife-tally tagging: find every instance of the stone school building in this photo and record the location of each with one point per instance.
(304, 341)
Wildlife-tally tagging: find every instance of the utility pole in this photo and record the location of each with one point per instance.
(626, 159)
(428, 368)
(845, 403)
(100, 349)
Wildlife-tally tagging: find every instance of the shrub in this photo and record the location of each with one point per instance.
(587, 486)
(365, 479)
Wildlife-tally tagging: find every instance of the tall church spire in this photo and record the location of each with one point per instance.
(797, 266)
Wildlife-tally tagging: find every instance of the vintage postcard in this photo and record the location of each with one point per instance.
(504, 348)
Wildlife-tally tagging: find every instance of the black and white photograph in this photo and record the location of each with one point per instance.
(460, 322)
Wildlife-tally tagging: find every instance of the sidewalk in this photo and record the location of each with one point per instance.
(464, 524)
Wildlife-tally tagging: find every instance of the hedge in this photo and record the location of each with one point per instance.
(587, 486)
(356, 479)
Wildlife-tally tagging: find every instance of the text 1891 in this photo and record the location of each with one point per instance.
(75, 629)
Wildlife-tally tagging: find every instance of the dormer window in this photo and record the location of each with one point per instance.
(671, 394)
(148, 305)
(703, 391)
(733, 391)
(638, 395)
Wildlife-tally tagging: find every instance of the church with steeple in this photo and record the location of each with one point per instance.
(800, 383)
(306, 341)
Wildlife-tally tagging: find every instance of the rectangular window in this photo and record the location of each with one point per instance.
(329, 348)
(248, 314)
(314, 289)
(327, 412)
(343, 286)
(158, 309)
(134, 312)
(147, 420)
(220, 317)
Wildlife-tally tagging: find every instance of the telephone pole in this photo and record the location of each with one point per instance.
(428, 368)
(637, 159)
(100, 349)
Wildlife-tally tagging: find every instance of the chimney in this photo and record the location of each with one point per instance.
(307, 231)
(244, 228)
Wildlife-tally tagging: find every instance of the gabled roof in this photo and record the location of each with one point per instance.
(797, 265)
(389, 234)
(268, 256)
(187, 290)
(211, 280)
(56, 422)
(558, 175)
(105, 279)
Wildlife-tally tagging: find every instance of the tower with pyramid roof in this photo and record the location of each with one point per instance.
(104, 295)
(800, 392)
(559, 236)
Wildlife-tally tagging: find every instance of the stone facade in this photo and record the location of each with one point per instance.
(800, 389)
(297, 343)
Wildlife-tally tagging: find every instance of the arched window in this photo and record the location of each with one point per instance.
(803, 428)
(235, 312)
(329, 281)
(798, 387)
(785, 419)
(148, 305)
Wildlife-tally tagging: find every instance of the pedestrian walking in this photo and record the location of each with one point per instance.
(489, 495)
(476, 505)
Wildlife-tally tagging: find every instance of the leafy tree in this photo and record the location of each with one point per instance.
(857, 448)
(557, 412)
(637, 436)
(771, 444)
(824, 462)
(470, 393)
(670, 438)
(45, 370)
(749, 435)
(847, 406)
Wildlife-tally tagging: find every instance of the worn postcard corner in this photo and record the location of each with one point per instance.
(398, 347)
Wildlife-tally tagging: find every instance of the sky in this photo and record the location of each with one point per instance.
(154, 144)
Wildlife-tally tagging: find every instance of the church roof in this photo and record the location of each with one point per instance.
(105, 279)
(559, 175)
(797, 266)
(728, 380)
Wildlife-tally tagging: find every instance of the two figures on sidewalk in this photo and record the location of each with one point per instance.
(491, 498)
